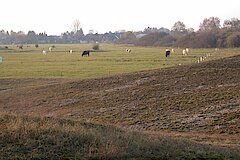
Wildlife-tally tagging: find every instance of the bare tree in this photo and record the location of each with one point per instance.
(76, 26)
(233, 24)
(179, 27)
(210, 24)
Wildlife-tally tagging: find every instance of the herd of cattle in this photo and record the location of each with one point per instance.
(184, 52)
(85, 52)
(50, 49)
(168, 52)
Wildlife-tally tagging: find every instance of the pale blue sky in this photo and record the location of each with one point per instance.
(56, 16)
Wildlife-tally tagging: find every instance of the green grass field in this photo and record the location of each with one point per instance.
(109, 60)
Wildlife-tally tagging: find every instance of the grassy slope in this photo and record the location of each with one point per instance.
(48, 138)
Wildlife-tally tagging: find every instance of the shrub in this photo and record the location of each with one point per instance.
(95, 46)
(233, 40)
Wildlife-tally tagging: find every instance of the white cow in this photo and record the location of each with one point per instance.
(184, 52)
(128, 50)
(71, 51)
(44, 52)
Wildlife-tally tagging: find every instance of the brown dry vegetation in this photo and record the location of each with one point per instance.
(199, 101)
(24, 137)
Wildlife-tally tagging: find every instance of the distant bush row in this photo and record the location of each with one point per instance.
(208, 39)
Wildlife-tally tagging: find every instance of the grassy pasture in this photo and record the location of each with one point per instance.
(110, 60)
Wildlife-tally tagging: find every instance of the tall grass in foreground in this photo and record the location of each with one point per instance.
(48, 138)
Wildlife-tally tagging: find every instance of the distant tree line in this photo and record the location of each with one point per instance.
(209, 35)
(65, 38)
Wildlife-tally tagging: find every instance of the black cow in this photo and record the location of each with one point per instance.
(168, 53)
(85, 53)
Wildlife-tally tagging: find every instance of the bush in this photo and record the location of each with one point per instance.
(95, 46)
(233, 40)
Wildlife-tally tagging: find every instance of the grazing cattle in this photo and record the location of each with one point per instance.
(20, 47)
(71, 51)
(44, 52)
(128, 50)
(85, 53)
(184, 52)
(50, 49)
(167, 52)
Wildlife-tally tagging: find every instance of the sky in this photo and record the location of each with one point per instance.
(56, 16)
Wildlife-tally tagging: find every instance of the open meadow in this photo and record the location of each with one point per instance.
(29, 62)
(119, 105)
